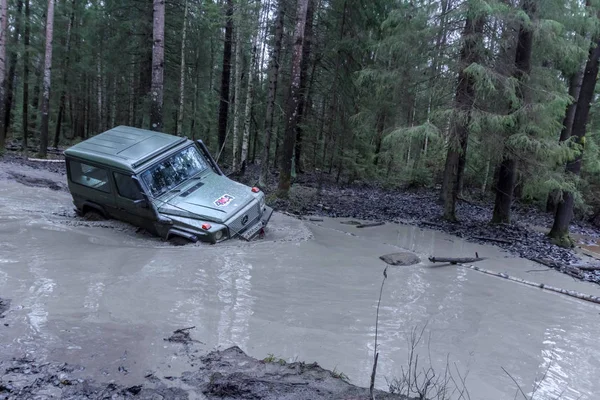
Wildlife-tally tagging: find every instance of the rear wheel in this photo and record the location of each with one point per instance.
(179, 241)
(93, 215)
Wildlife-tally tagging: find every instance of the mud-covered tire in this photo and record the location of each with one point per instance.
(93, 215)
(179, 241)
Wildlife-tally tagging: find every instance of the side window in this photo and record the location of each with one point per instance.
(89, 175)
(127, 187)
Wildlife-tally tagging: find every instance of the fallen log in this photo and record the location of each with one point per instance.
(369, 225)
(571, 293)
(455, 260)
(491, 239)
(588, 267)
(45, 160)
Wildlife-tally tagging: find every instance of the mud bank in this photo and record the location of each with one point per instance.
(226, 374)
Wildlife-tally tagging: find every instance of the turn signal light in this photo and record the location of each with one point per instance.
(206, 226)
(255, 189)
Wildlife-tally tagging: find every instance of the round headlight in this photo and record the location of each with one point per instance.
(219, 235)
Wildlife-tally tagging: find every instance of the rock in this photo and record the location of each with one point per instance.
(402, 258)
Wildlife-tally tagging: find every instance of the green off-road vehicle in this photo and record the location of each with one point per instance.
(168, 185)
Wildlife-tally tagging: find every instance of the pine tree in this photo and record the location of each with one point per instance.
(564, 211)
(45, 109)
(464, 99)
(158, 65)
(272, 92)
(508, 167)
(285, 172)
(3, 40)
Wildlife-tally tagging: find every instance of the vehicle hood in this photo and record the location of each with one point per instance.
(214, 197)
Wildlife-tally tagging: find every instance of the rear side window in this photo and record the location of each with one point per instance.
(127, 187)
(89, 175)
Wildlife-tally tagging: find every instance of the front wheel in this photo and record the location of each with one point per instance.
(93, 215)
(179, 241)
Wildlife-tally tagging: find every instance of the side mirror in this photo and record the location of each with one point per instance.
(141, 203)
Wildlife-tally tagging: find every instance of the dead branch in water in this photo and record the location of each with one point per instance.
(572, 293)
(376, 355)
(369, 225)
(455, 260)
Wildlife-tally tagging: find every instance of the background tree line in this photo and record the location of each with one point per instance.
(483, 97)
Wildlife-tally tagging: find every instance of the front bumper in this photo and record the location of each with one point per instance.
(255, 229)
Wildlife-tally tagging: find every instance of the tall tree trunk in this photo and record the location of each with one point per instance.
(237, 97)
(10, 80)
(182, 73)
(26, 77)
(131, 109)
(99, 91)
(564, 211)
(308, 29)
(65, 77)
(249, 98)
(158, 65)
(46, 84)
(273, 76)
(463, 104)
(225, 76)
(289, 140)
(508, 167)
(3, 40)
(565, 133)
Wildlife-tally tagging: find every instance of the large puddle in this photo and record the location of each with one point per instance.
(103, 296)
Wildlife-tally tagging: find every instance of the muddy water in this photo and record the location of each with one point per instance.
(103, 296)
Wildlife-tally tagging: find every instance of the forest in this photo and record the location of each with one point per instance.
(481, 98)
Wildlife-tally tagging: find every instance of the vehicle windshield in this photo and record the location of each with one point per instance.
(173, 171)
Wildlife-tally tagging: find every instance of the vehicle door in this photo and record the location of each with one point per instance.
(90, 183)
(127, 197)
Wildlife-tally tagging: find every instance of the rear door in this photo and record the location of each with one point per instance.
(90, 183)
(128, 192)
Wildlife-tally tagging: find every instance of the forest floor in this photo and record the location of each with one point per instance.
(525, 237)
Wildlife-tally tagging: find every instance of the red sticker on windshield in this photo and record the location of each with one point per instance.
(223, 200)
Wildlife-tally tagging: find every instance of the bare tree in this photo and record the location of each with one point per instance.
(3, 38)
(12, 69)
(289, 141)
(63, 94)
(182, 72)
(273, 75)
(46, 82)
(26, 76)
(225, 76)
(158, 65)
(237, 97)
(250, 94)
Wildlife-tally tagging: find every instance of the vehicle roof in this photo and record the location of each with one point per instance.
(125, 147)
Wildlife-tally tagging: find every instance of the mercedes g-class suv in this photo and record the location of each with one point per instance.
(168, 185)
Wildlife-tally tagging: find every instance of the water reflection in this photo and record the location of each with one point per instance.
(234, 293)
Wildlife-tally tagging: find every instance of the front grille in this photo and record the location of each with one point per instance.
(252, 213)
